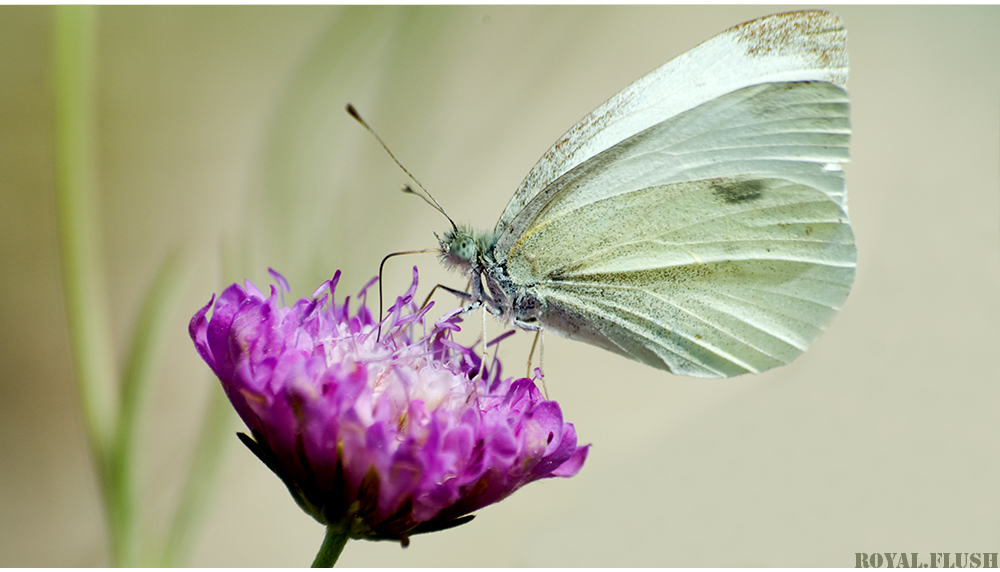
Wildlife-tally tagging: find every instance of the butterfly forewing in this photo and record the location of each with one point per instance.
(794, 131)
(790, 47)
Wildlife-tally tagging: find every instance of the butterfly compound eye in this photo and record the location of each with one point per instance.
(464, 248)
(458, 247)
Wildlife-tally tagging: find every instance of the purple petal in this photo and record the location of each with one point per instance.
(573, 465)
(279, 279)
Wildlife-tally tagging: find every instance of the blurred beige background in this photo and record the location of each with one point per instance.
(224, 127)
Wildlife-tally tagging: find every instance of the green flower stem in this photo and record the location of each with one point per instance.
(146, 343)
(333, 545)
(76, 198)
(77, 204)
(216, 432)
(151, 327)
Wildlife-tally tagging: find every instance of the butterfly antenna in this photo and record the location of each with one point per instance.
(429, 198)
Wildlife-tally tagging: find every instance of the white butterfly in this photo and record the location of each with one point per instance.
(697, 221)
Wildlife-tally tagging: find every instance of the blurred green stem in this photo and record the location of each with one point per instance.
(151, 326)
(212, 442)
(112, 406)
(77, 200)
(76, 182)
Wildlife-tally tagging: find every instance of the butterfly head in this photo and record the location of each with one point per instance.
(458, 248)
(464, 248)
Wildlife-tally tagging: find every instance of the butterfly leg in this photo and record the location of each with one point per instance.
(531, 354)
(482, 364)
(541, 362)
(478, 297)
(476, 303)
(539, 335)
(458, 293)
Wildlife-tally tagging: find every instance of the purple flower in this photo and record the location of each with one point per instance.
(382, 435)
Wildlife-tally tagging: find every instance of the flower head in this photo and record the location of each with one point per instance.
(385, 433)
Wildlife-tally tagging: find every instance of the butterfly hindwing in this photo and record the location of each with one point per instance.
(670, 291)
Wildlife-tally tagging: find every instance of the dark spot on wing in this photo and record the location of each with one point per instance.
(738, 191)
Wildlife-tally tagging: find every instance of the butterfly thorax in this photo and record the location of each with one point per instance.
(472, 252)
